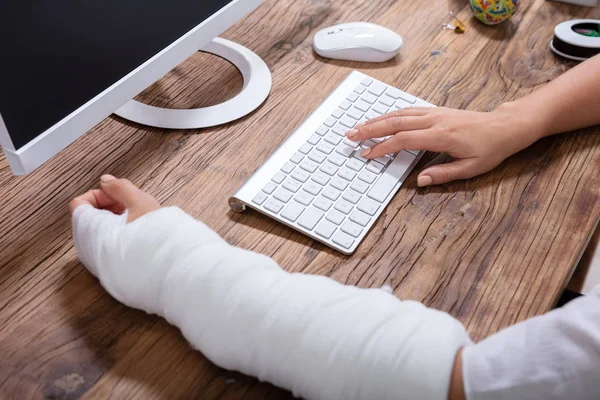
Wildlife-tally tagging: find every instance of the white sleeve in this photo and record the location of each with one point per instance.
(308, 334)
(554, 356)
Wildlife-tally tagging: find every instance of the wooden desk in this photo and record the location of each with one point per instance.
(491, 251)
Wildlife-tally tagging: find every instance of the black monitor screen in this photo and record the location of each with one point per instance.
(57, 55)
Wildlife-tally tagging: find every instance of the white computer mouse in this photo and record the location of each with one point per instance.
(357, 41)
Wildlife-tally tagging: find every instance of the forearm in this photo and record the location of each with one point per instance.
(308, 334)
(569, 102)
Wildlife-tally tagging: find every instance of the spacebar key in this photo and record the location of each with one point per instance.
(390, 178)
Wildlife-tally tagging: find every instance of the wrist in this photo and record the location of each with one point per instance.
(530, 124)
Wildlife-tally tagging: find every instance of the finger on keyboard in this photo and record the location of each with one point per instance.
(407, 112)
(390, 126)
(421, 140)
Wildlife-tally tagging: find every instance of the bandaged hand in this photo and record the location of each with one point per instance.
(308, 334)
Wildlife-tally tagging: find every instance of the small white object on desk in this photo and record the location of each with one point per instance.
(358, 41)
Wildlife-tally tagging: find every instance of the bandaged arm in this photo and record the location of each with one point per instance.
(308, 334)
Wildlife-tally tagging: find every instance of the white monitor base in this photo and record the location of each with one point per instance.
(257, 85)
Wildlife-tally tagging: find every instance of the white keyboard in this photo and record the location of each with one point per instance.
(317, 183)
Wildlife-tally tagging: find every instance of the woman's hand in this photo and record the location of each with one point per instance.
(477, 141)
(117, 195)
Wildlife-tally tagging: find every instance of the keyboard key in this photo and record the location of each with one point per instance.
(339, 130)
(269, 188)
(329, 169)
(355, 113)
(293, 211)
(369, 98)
(369, 206)
(322, 130)
(273, 205)
(339, 183)
(402, 104)
(352, 97)
(309, 166)
(259, 198)
(301, 175)
(325, 229)
(360, 186)
(348, 122)
(337, 114)
(393, 174)
(310, 218)
(312, 188)
(355, 164)
(408, 98)
(317, 156)
(347, 174)
(305, 149)
(325, 147)
(384, 160)
(337, 159)
(393, 93)
(377, 89)
(367, 81)
(321, 178)
(352, 229)
(372, 114)
(296, 158)
(359, 157)
(329, 122)
(333, 139)
(331, 193)
(367, 176)
(360, 218)
(352, 196)
(288, 167)
(292, 185)
(380, 108)
(283, 195)
(314, 139)
(375, 167)
(344, 150)
(303, 198)
(369, 143)
(344, 206)
(387, 101)
(362, 105)
(351, 143)
(343, 240)
(335, 216)
(279, 177)
(360, 89)
(323, 204)
(398, 94)
(345, 105)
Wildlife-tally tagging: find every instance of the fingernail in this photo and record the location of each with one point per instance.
(424, 180)
(107, 178)
(351, 133)
(366, 152)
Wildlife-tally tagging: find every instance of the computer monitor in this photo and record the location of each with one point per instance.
(68, 64)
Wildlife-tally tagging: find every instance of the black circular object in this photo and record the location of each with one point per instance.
(574, 51)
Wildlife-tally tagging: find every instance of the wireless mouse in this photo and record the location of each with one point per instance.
(357, 41)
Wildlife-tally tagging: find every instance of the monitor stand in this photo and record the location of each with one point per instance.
(257, 85)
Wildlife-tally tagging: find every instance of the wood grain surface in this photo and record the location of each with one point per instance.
(491, 251)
